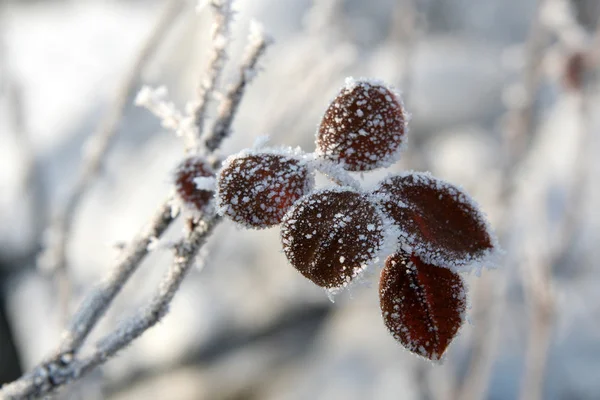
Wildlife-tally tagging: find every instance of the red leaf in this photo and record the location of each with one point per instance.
(363, 127)
(257, 189)
(185, 173)
(422, 305)
(440, 222)
(331, 235)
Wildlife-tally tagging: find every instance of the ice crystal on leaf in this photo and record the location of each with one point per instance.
(429, 230)
(255, 189)
(331, 235)
(364, 126)
(422, 305)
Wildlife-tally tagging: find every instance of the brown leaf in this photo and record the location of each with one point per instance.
(331, 235)
(185, 187)
(257, 189)
(363, 127)
(441, 223)
(422, 305)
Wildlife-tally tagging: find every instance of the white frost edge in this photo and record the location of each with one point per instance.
(488, 259)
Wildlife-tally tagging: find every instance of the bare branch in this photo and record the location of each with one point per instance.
(96, 303)
(257, 45)
(98, 147)
(220, 40)
(64, 367)
(185, 255)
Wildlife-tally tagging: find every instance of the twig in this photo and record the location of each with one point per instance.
(220, 40)
(64, 367)
(185, 255)
(258, 42)
(95, 304)
(98, 147)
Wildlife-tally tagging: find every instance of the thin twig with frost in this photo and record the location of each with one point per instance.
(156, 101)
(185, 255)
(258, 42)
(65, 365)
(95, 304)
(98, 147)
(220, 39)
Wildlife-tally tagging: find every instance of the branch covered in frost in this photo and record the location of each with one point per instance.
(98, 147)
(185, 254)
(96, 303)
(155, 101)
(258, 42)
(220, 39)
(65, 367)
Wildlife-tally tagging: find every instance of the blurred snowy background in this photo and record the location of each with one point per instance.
(504, 101)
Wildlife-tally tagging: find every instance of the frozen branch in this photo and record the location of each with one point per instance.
(220, 40)
(66, 364)
(65, 367)
(186, 252)
(258, 42)
(98, 147)
(155, 101)
(95, 304)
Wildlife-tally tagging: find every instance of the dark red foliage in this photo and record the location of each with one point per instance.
(422, 305)
(185, 173)
(256, 190)
(363, 127)
(330, 236)
(574, 70)
(441, 222)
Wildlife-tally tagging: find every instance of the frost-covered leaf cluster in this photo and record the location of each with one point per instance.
(425, 229)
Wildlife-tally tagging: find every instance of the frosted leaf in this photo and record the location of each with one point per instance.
(326, 235)
(423, 306)
(186, 176)
(440, 222)
(364, 127)
(256, 188)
